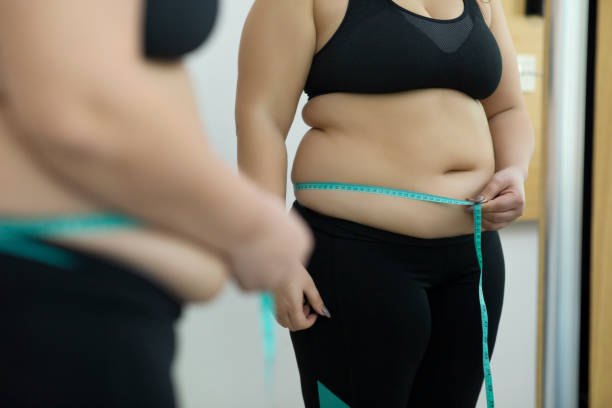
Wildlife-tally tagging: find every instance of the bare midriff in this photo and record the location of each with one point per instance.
(29, 189)
(434, 141)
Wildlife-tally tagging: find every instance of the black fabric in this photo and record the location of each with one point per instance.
(405, 330)
(174, 28)
(381, 47)
(96, 336)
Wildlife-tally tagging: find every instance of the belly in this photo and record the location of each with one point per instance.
(189, 272)
(434, 141)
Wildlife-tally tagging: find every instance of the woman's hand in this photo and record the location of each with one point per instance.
(266, 260)
(298, 303)
(505, 198)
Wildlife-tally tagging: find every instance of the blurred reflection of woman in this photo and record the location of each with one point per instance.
(88, 126)
(403, 96)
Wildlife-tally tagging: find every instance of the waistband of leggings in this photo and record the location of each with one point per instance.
(345, 228)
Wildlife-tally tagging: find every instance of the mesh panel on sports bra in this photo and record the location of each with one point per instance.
(448, 36)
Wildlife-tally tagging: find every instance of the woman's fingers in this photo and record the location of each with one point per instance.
(305, 316)
(501, 217)
(290, 323)
(315, 300)
(291, 311)
(501, 211)
(492, 226)
(496, 221)
(505, 193)
(301, 318)
(282, 319)
(298, 302)
(504, 202)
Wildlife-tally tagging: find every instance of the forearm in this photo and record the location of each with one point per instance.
(262, 153)
(513, 139)
(144, 152)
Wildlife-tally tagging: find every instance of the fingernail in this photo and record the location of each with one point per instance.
(325, 312)
(480, 198)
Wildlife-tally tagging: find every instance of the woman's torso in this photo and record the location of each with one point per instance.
(190, 272)
(427, 133)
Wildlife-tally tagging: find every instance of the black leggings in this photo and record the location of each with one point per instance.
(99, 335)
(405, 328)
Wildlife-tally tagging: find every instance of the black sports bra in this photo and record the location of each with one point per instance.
(380, 47)
(172, 28)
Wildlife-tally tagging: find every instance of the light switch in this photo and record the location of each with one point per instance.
(527, 71)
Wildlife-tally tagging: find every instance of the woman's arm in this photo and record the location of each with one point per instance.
(126, 131)
(276, 50)
(278, 42)
(509, 123)
(511, 131)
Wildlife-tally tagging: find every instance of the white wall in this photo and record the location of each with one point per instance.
(220, 361)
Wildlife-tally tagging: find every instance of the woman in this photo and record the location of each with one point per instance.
(90, 127)
(408, 97)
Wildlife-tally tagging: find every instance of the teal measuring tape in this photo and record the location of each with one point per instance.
(268, 327)
(16, 234)
(477, 243)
